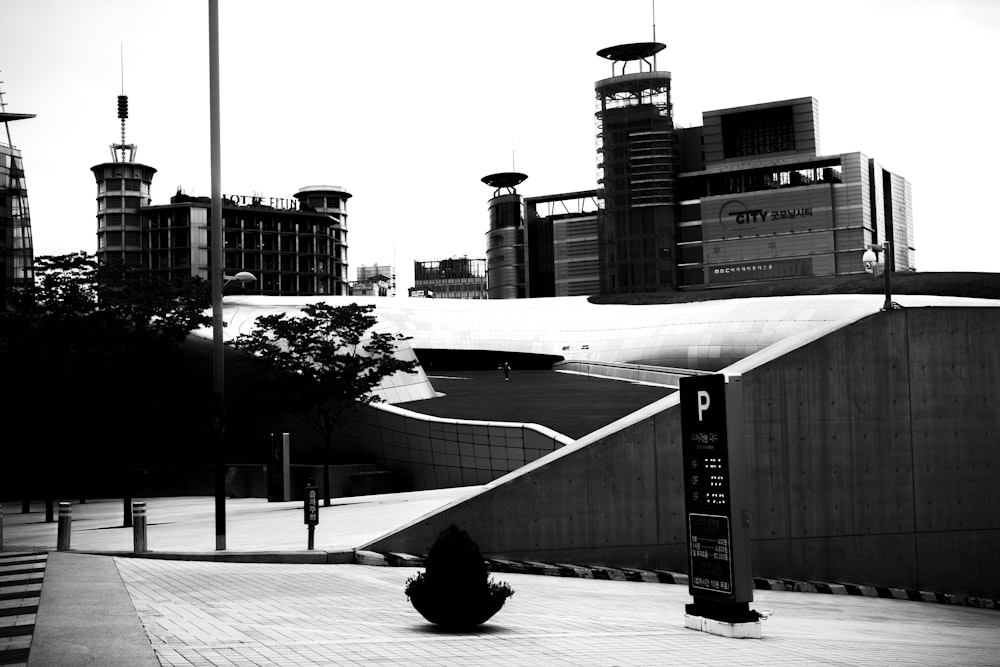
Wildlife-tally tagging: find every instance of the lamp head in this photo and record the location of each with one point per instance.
(243, 277)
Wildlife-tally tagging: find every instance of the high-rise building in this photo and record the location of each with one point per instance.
(505, 269)
(16, 258)
(745, 197)
(123, 187)
(562, 249)
(637, 161)
(454, 278)
(759, 202)
(295, 246)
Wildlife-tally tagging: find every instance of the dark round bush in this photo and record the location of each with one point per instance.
(456, 592)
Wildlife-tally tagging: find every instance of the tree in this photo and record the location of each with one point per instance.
(85, 349)
(328, 359)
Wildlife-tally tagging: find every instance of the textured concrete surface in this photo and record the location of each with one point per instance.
(187, 524)
(107, 610)
(865, 466)
(86, 617)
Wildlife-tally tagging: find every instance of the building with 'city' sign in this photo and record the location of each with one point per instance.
(746, 197)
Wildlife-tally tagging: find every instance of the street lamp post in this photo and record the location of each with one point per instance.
(870, 259)
(219, 384)
(217, 266)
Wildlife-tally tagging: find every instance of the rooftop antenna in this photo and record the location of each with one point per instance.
(122, 115)
(653, 2)
(3, 109)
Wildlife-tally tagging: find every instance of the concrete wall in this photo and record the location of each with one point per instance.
(873, 452)
(426, 452)
(669, 377)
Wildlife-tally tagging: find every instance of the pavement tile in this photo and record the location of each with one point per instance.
(225, 613)
(200, 612)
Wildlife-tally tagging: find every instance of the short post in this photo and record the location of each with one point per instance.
(311, 510)
(139, 526)
(65, 523)
(1, 527)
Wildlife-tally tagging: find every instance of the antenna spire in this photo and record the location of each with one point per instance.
(653, 3)
(122, 115)
(123, 100)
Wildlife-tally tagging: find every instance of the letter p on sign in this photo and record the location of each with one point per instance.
(703, 402)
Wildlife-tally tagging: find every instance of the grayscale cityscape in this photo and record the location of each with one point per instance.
(669, 382)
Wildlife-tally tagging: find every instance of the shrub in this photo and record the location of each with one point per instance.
(456, 591)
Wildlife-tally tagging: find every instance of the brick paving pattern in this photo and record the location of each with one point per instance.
(198, 613)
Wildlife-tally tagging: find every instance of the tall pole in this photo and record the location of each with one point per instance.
(886, 269)
(217, 268)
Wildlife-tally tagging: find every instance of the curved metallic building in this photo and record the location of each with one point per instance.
(870, 435)
(698, 336)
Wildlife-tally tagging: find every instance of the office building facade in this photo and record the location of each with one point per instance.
(761, 203)
(637, 161)
(374, 280)
(295, 246)
(746, 197)
(454, 278)
(562, 244)
(16, 247)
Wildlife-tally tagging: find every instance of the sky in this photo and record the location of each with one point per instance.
(408, 104)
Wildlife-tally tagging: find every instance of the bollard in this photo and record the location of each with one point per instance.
(139, 526)
(1, 527)
(65, 522)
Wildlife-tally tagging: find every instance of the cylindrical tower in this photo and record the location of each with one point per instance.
(331, 258)
(637, 161)
(505, 239)
(123, 187)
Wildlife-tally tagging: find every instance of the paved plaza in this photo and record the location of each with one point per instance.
(97, 609)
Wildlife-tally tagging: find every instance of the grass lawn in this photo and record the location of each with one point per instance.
(571, 404)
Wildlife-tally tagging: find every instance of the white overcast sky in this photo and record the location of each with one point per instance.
(408, 104)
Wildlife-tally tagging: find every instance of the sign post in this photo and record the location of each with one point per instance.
(716, 505)
(311, 510)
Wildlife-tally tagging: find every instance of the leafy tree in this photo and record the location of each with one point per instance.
(84, 351)
(329, 359)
